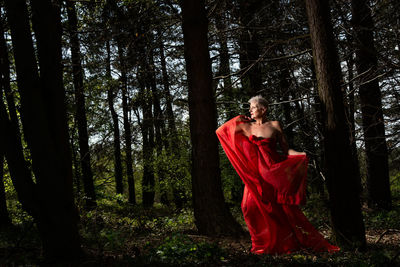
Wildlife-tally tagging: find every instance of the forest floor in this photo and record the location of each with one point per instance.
(117, 234)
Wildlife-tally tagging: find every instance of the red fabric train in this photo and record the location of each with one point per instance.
(275, 185)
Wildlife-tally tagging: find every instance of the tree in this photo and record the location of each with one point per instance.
(211, 214)
(249, 47)
(341, 177)
(376, 151)
(80, 114)
(4, 217)
(115, 124)
(50, 199)
(117, 25)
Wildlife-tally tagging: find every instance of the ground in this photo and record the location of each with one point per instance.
(117, 234)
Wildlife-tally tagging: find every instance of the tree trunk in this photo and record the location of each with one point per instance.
(342, 184)
(160, 131)
(285, 92)
(224, 65)
(249, 48)
(80, 115)
(172, 132)
(212, 216)
(148, 180)
(371, 107)
(127, 125)
(351, 104)
(172, 135)
(4, 217)
(115, 125)
(45, 125)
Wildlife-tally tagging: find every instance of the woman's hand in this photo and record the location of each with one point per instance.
(294, 152)
(245, 118)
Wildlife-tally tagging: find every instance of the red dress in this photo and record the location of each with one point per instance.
(274, 187)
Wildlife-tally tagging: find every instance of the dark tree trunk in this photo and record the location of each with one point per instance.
(80, 115)
(45, 126)
(172, 132)
(148, 179)
(160, 131)
(10, 135)
(127, 125)
(342, 184)
(4, 217)
(211, 213)
(5, 84)
(115, 126)
(77, 174)
(224, 65)
(352, 110)
(173, 140)
(371, 107)
(285, 91)
(249, 47)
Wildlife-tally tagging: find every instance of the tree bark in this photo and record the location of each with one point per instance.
(212, 217)
(342, 184)
(224, 64)
(148, 179)
(172, 132)
(4, 216)
(45, 125)
(115, 126)
(249, 47)
(378, 184)
(127, 125)
(160, 131)
(80, 115)
(352, 110)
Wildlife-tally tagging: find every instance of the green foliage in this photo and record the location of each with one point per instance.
(180, 249)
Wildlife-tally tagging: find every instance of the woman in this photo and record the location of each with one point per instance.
(275, 184)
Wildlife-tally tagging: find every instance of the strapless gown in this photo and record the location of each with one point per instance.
(275, 186)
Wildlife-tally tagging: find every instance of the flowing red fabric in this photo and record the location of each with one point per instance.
(274, 187)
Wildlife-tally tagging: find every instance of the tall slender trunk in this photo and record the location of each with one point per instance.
(172, 132)
(127, 125)
(45, 125)
(12, 146)
(160, 131)
(285, 89)
(80, 114)
(371, 107)
(148, 179)
(115, 126)
(212, 217)
(4, 216)
(351, 104)
(249, 47)
(173, 139)
(224, 65)
(342, 183)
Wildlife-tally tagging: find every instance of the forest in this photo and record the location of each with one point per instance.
(108, 113)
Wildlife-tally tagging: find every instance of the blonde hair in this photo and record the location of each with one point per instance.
(260, 101)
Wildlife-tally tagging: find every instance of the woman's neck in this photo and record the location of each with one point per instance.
(260, 121)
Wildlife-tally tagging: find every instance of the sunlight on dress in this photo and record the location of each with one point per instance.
(274, 187)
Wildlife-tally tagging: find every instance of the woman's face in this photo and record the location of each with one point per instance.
(256, 111)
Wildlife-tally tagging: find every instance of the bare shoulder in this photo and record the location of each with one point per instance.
(276, 124)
